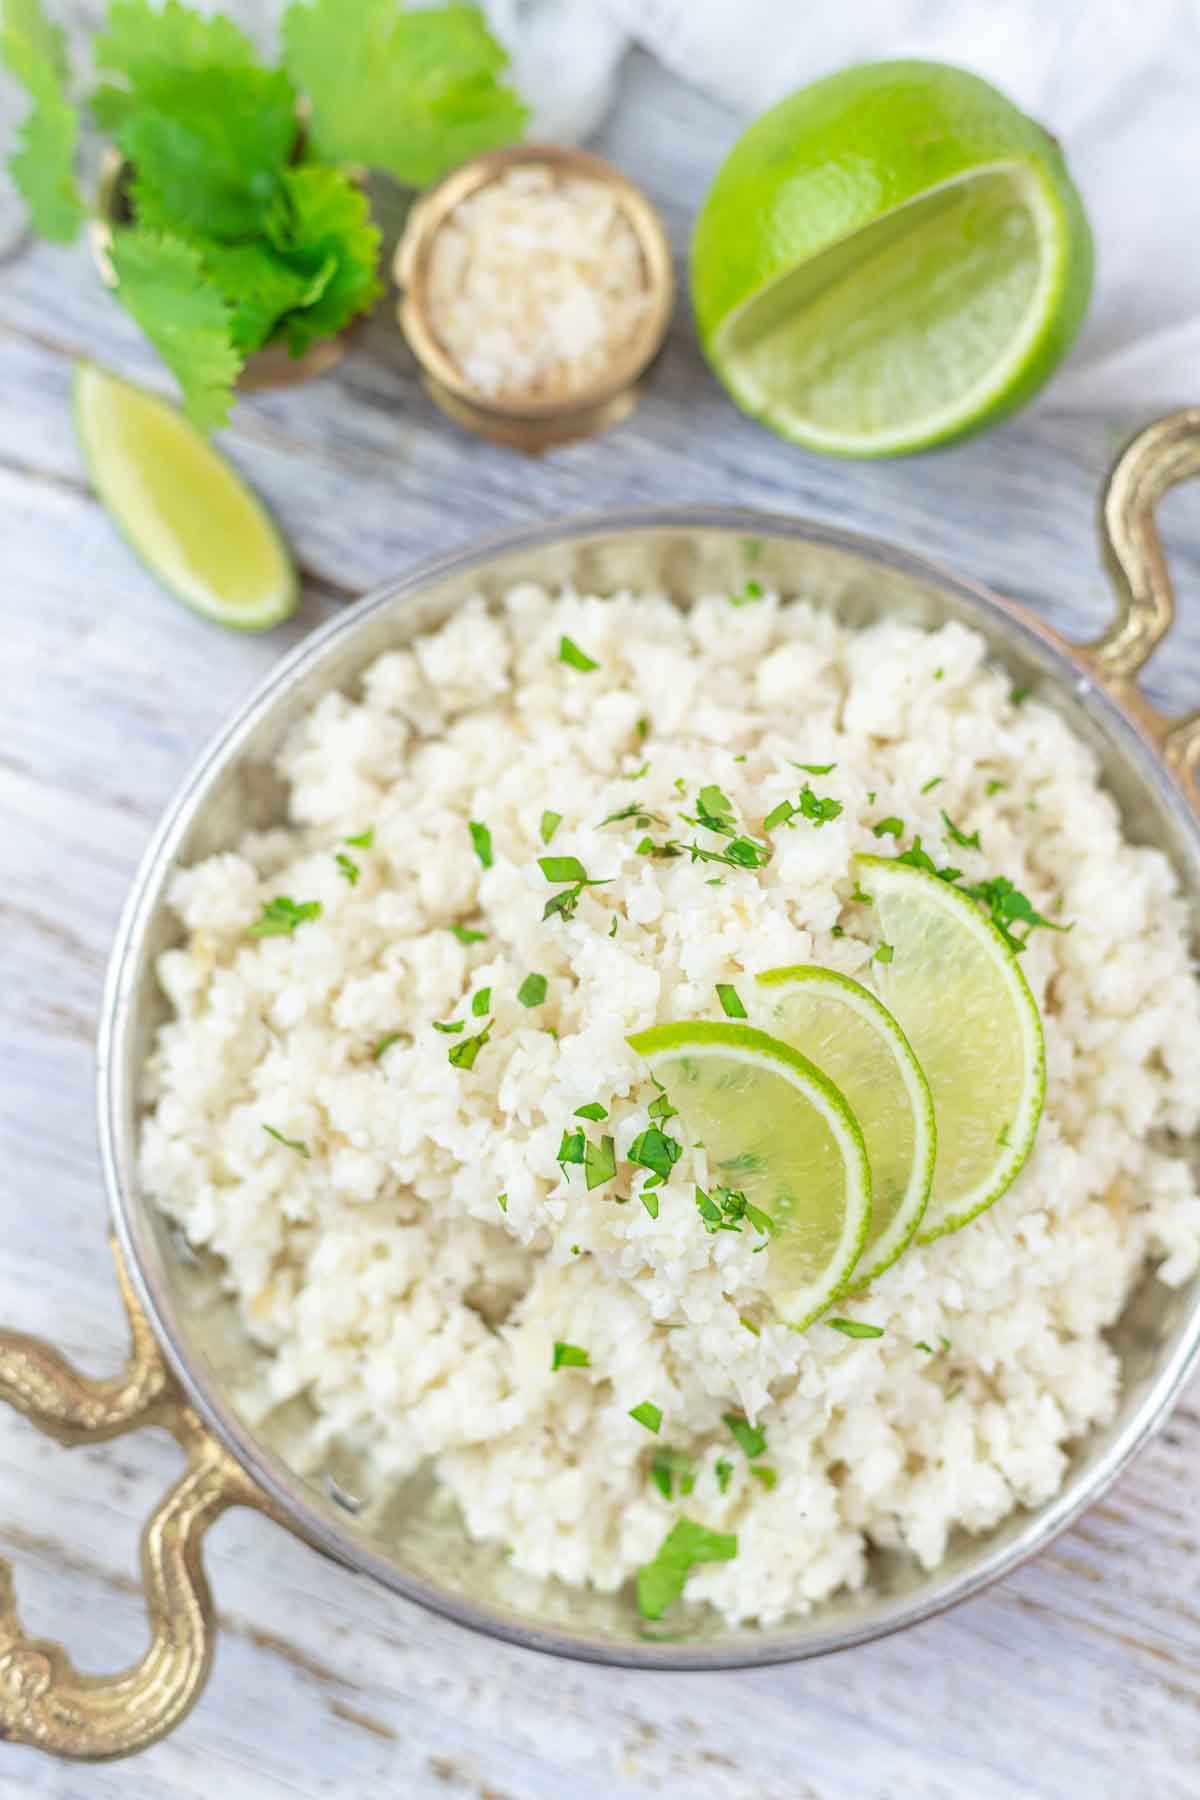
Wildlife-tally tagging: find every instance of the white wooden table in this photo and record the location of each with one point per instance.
(1080, 1676)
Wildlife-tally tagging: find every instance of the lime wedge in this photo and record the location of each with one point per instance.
(853, 1039)
(777, 1130)
(893, 257)
(185, 511)
(962, 1002)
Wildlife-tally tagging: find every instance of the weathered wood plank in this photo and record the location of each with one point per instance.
(1079, 1676)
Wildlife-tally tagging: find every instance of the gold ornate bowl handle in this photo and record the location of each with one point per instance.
(44, 1700)
(1156, 460)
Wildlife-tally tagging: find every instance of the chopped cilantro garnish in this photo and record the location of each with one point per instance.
(462, 1056)
(666, 1466)
(364, 840)
(647, 1414)
(945, 1343)
(871, 797)
(994, 786)
(289, 1143)
(817, 809)
(385, 1044)
(748, 1325)
(731, 1003)
(927, 1348)
(714, 810)
(884, 953)
(593, 1110)
(643, 729)
(550, 824)
(890, 827)
(481, 1003)
(767, 1476)
(574, 657)
(636, 774)
(599, 1162)
(934, 781)
(751, 1440)
(1019, 695)
(1008, 906)
(680, 785)
(723, 1471)
(649, 1200)
(612, 930)
(654, 1150)
(917, 858)
(743, 853)
(938, 674)
(347, 867)
(566, 868)
(661, 1582)
(481, 837)
(752, 591)
(532, 990)
(852, 1328)
(635, 811)
(571, 1150)
(502, 1202)
(660, 1107)
(861, 895)
(562, 868)
(778, 815)
(447, 1025)
(570, 1356)
(466, 935)
(837, 931)
(725, 1208)
(281, 916)
(815, 768)
(958, 836)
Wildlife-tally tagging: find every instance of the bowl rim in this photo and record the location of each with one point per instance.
(289, 1503)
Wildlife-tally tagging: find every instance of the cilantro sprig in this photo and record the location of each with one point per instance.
(282, 915)
(660, 1583)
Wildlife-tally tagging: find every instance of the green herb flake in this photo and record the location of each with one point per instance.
(1007, 906)
(502, 1202)
(481, 1003)
(462, 1056)
(723, 1471)
(1019, 695)
(281, 916)
(593, 1110)
(649, 1199)
(562, 868)
(957, 835)
(636, 774)
(768, 1477)
(939, 674)
(945, 1343)
(550, 824)
(778, 815)
(574, 657)
(861, 895)
(612, 930)
(751, 1440)
(815, 768)
(570, 1356)
(884, 953)
(661, 1583)
(752, 591)
(994, 786)
(385, 1044)
(643, 729)
(466, 935)
(731, 1003)
(852, 1328)
(599, 1162)
(288, 1143)
(654, 1150)
(837, 931)
(571, 1150)
(935, 781)
(890, 827)
(481, 838)
(447, 1025)
(532, 991)
(749, 1325)
(364, 840)
(647, 1414)
(927, 1348)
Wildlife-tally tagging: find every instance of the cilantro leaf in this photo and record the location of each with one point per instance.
(550, 824)
(751, 1440)
(599, 1162)
(411, 92)
(462, 1056)
(890, 827)
(575, 658)
(532, 990)
(958, 836)
(652, 1149)
(289, 1143)
(570, 1356)
(481, 839)
(647, 1414)
(281, 916)
(853, 1328)
(160, 281)
(661, 1582)
(43, 165)
(723, 1471)
(466, 934)
(731, 1001)
(146, 46)
(260, 286)
(481, 1003)
(318, 215)
(347, 867)
(385, 1044)
(593, 1110)
(362, 840)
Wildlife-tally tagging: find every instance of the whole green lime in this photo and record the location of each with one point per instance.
(891, 258)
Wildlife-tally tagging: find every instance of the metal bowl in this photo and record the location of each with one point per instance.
(191, 1367)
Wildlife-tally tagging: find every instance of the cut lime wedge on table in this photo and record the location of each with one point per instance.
(960, 998)
(893, 257)
(777, 1129)
(185, 511)
(853, 1039)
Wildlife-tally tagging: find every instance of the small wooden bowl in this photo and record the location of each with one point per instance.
(272, 366)
(532, 425)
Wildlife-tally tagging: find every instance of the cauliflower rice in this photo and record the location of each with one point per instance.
(374, 1263)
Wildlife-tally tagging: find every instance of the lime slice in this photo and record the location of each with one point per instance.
(891, 258)
(962, 1002)
(185, 511)
(853, 1039)
(776, 1129)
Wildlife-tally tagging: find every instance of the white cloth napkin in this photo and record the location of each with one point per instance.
(1117, 81)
